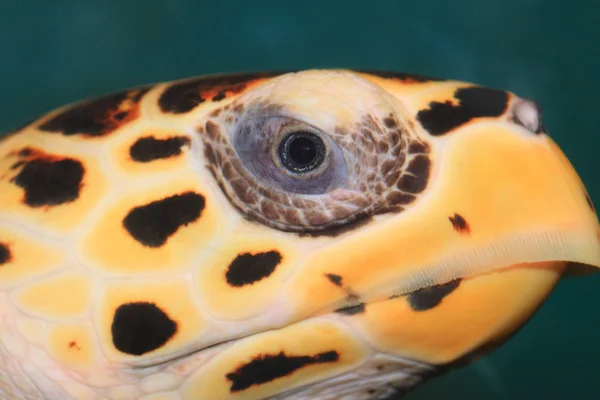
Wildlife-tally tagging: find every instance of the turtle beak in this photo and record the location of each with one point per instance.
(592, 265)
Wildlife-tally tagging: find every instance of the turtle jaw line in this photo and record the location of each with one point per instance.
(357, 300)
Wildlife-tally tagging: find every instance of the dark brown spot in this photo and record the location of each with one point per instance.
(417, 147)
(5, 255)
(352, 310)
(248, 268)
(269, 367)
(152, 224)
(411, 183)
(390, 122)
(430, 297)
(383, 147)
(401, 76)
(73, 345)
(459, 224)
(48, 180)
(335, 279)
(147, 149)
(473, 102)
(213, 130)
(26, 152)
(141, 327)
(97, 117)
(183, 97)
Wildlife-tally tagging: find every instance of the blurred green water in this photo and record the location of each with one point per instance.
(55, 52)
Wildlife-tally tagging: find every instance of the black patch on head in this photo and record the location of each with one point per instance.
(5, 255)
(266, 368)
(152, 224)
(473, 102)
(402, 76)
(49, 182)
(248, 268)
(97, 117)
(148, 148)
(352, 310)
(141, 327)
(429, 297)
(183, 97)
(459, 224)
(335, 279)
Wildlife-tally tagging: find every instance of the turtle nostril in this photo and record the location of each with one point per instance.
(528, 114)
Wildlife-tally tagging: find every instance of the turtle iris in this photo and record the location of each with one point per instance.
(301, 152)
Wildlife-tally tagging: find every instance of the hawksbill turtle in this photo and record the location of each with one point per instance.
(330, 234)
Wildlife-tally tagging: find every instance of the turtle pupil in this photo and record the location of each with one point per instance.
(302, 152)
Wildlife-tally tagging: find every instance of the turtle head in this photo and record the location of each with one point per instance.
(309, 235)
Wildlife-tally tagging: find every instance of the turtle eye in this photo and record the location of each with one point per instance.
(301, 152)
(290, 155)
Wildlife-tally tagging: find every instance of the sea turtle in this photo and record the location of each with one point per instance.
(330, 234)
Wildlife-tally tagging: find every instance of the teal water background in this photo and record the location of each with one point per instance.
(54, 52)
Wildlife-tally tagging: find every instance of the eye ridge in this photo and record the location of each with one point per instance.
(301, 152)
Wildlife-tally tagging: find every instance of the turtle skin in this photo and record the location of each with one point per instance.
(174, 242)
